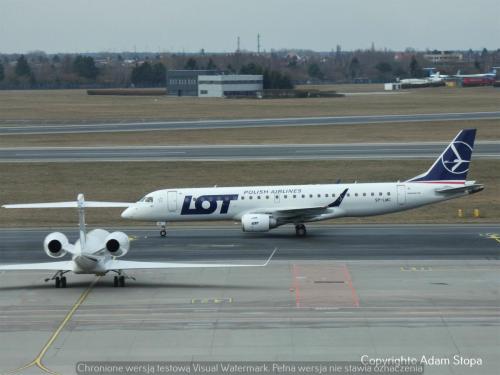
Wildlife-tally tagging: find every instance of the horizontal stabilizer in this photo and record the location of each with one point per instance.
(72, 204)
(469, 189)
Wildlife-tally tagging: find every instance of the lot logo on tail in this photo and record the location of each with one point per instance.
(456, 159)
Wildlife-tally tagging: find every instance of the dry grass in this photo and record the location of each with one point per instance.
(76, 105)
(129, 181)
(390, 132)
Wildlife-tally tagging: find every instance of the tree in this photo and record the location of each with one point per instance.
(414, 67)
(314, 71)
(159, 74)
(22, 67)
(2, 72)
(147, 74)
(85, 67)
(191, 64)
(251, 68)
(211, 65)
(354, 67)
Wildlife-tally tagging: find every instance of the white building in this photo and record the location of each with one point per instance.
(218, 86)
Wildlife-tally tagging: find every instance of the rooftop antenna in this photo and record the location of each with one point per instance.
(258, 44)
(238, 45)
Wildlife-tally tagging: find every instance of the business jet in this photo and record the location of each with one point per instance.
(96, 252)
(262, 208)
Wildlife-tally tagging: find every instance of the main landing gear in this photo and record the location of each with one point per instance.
(300, 230)
(59, 278)
(163, 226)
(119, 281)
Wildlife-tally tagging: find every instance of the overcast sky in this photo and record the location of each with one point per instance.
(190, 25)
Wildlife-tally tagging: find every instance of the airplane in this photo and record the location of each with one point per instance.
(491, 75)
(96, 252)
(262, 208)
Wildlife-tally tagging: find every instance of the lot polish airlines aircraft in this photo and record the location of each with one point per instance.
(96, 252)
(261, 208)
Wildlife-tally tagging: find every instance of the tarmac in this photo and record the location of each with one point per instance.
(349, 151)
(343, 292)
(27, 127)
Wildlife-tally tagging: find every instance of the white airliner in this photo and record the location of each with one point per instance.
(261, 208)
(96, 252)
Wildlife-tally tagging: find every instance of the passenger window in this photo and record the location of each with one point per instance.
(380, 194)
(388, 193)
(267, 196)
(250, 197)
(258, 196)
(333, 195)
(373, 194)
(242, 198)
(285, 196)
(364, 194)
(348, 194)
(326, 195)
(310, 195)
(303, 196)
(294, 196)
(356, 194)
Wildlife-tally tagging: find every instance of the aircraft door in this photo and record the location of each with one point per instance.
(401, 194)
(172, 201)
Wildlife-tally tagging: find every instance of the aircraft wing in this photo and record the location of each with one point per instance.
(306, 211)
(116, 264)
(50, 266)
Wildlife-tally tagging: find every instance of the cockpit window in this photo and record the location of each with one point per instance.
(147, 199)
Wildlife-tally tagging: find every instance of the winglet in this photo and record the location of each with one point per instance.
(270, 257)
(339, 200)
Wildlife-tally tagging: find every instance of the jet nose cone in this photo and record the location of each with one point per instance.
(127, 213)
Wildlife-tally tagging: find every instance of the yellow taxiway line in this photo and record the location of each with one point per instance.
(37, 362)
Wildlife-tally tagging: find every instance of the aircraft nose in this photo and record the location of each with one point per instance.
(128, 213)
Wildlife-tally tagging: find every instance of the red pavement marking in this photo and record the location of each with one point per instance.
(355, 298)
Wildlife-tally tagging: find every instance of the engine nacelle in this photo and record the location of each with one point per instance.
(54, 245)
(117, 244)
(257, 223)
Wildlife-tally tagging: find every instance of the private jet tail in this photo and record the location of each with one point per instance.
(452, 165)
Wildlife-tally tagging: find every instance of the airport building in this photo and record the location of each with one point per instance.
(213, 84)
(220, 86)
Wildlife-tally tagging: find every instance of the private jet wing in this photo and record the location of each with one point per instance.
(115, 264)
(48, 266)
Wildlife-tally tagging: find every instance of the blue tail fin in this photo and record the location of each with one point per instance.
(453, 164)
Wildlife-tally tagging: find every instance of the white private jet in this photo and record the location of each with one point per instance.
(96, 252)
(261, 208)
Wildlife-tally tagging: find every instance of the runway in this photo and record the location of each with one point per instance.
(343, 292)
(85, 127)
(360, 151)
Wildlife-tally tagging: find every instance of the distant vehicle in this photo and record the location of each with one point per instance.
(96, 252)
(262, 208)
(481, 79)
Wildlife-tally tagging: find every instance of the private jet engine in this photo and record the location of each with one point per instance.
(117, 244)
(54, 245)
(257, 223)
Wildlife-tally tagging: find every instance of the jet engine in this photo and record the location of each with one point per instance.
(257, 223)
(54, 245)
(117, 244)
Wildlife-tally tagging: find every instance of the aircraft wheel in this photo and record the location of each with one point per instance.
(58, 282)
(115, 281)
(163, 233)
(63, 282)
(300, 230)
(121, 281)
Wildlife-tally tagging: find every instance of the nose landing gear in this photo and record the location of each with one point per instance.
(163, 226)
(300, 230)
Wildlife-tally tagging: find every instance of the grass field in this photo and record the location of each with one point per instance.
(76, 105)
(129, 181)
(390, 132)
